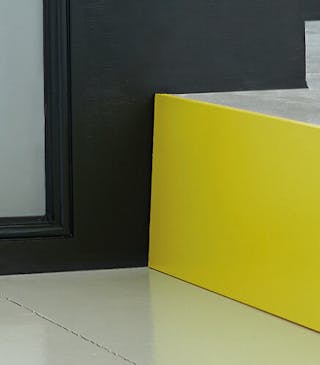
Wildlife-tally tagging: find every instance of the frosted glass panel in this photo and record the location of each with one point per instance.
(22, 157)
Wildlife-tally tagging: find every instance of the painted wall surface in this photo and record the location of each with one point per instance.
(123, 52)
(22, 173)
(311, 9)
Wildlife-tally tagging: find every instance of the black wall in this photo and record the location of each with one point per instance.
(123, 52)
(311, 9)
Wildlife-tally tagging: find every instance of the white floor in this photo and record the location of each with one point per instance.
(139, 316)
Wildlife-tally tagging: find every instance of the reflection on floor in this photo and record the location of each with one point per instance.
(139, 316)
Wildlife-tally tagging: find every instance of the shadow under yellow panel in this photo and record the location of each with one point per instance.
(236, 205)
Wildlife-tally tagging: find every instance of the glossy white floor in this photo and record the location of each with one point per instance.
(139, 316)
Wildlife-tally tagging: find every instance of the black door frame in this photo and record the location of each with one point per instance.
(58, 218)
(83, 227)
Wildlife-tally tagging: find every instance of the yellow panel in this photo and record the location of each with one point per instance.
(236, 205)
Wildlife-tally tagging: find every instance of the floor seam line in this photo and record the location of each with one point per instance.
(70, 331)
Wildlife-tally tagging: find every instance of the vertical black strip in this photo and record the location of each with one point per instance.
(57, 107)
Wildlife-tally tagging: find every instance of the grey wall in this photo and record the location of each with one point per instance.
(22, 174)
(311, 9)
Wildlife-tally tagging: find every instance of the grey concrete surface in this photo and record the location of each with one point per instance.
(313, 54)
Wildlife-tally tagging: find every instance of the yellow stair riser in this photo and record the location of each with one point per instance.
(235, 205)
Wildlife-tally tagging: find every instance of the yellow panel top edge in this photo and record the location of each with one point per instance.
(243, 111)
